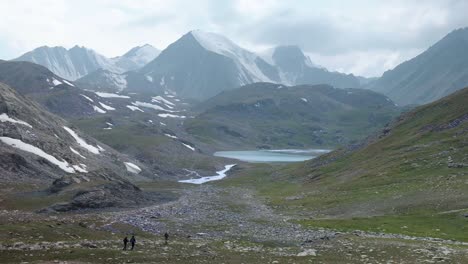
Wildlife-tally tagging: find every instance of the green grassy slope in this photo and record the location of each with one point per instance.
(410, 179)
(267, 115)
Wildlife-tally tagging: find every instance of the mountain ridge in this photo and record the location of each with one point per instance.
(78, 61)
(437, 72)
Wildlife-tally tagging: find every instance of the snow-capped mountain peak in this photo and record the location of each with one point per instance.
(79, 61)
(68, 63)
(246, 61)
(137, 57)
(217, 43)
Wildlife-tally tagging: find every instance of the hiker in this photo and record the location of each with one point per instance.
(132, 241)
(166, 237)
(125, 241)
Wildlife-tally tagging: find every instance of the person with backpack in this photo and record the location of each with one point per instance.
(125, 241)
(132, 242)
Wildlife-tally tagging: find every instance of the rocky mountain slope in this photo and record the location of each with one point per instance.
(437, 72)
(266, 115)
(142, 125)
(56, 94)
(39, 149)
(295, 68)
(151, 129)
(107, 81)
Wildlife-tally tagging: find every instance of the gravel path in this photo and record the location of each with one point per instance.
(228, 213)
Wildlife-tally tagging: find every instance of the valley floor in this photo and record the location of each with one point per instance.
(207, 224)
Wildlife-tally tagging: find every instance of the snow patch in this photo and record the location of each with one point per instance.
(80, 168)
(170, 115)
(110, 108)
(56, 82)
(171, 136)
(5, 118)
(132, 167)
(82, 142)
(87, 98)
(304, 99)
(69, 83)
(77, 153)
(37, 151)
(161, 99)
(111, 95)
(188, 146)
(99, 110)
(221, 175)
(134, 108)
(152, 106)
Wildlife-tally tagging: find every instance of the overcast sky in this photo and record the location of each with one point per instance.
(361, 37)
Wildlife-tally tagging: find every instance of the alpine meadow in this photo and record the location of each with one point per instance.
(234, 131)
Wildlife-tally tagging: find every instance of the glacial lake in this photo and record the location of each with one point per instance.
(269, 156)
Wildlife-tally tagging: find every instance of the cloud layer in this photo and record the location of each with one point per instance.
(360, 37)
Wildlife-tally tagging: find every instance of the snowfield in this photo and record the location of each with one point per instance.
(82, 142)
(37, 151)
(221, 175)
(5, 118)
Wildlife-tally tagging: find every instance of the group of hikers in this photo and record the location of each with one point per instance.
(133, 241)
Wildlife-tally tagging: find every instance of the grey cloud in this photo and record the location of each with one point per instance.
(326, 34)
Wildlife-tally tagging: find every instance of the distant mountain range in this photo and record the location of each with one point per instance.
(200, 65)
(435, 73)
(79, 61)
